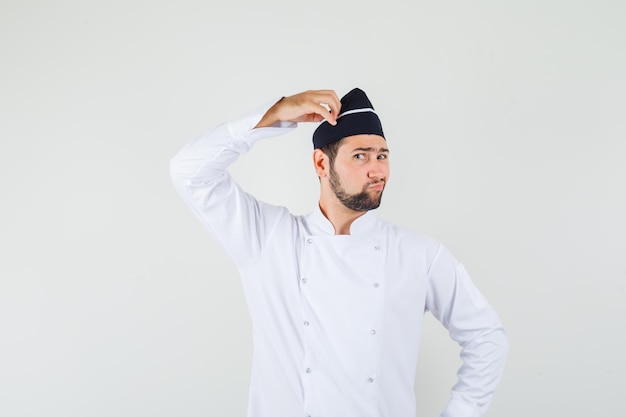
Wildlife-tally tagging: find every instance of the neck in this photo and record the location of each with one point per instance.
(339, 215)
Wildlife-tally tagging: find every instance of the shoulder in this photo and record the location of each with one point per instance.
(406, 238)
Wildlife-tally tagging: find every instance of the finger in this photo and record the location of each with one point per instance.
(329, 115)
(331, 103)
(334, 104)
(319, 111)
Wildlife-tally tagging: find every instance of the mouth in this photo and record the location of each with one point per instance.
(379, 186)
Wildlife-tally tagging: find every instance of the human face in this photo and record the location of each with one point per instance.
(360, 171)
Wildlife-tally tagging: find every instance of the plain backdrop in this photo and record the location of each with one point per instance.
(506, 122)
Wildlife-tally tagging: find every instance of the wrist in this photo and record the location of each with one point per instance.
(270, 117)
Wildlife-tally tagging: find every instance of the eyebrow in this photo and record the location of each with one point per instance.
(371, 150)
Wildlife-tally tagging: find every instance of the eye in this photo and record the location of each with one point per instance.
(359, 156)
(383, 156)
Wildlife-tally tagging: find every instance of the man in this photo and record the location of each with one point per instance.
(337, 297)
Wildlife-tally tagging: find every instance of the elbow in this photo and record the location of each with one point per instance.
(501, 341)
(490, 347)
(180, 168)
(495, 350)
(174, 167)
(177, 172)
(500, 349)
(505, 344)
(497, 343)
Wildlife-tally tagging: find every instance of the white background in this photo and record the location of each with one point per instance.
(506, 122)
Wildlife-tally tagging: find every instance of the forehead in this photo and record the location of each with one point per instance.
(374, 142)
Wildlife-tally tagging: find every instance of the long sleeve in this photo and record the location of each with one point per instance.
(455, 301)
(239, 222)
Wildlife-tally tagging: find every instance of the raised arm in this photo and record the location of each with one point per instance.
(456, 302)
(239, 222)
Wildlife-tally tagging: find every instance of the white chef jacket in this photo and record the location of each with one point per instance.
(336, 318)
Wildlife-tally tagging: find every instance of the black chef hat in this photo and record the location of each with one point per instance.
(357, 117)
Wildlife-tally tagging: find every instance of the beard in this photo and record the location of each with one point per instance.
(362, 201)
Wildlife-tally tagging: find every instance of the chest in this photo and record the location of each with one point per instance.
(354, 277)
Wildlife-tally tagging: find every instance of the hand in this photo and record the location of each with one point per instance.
(309, 106)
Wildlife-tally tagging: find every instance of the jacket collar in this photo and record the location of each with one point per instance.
(359, 226)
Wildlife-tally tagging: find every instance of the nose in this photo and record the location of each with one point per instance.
(376, 170)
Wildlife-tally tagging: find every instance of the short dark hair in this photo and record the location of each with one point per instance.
(331, 150)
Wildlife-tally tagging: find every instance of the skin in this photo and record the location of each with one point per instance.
(361, 167)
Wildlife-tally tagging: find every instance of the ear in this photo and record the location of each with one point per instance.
(320, 163)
